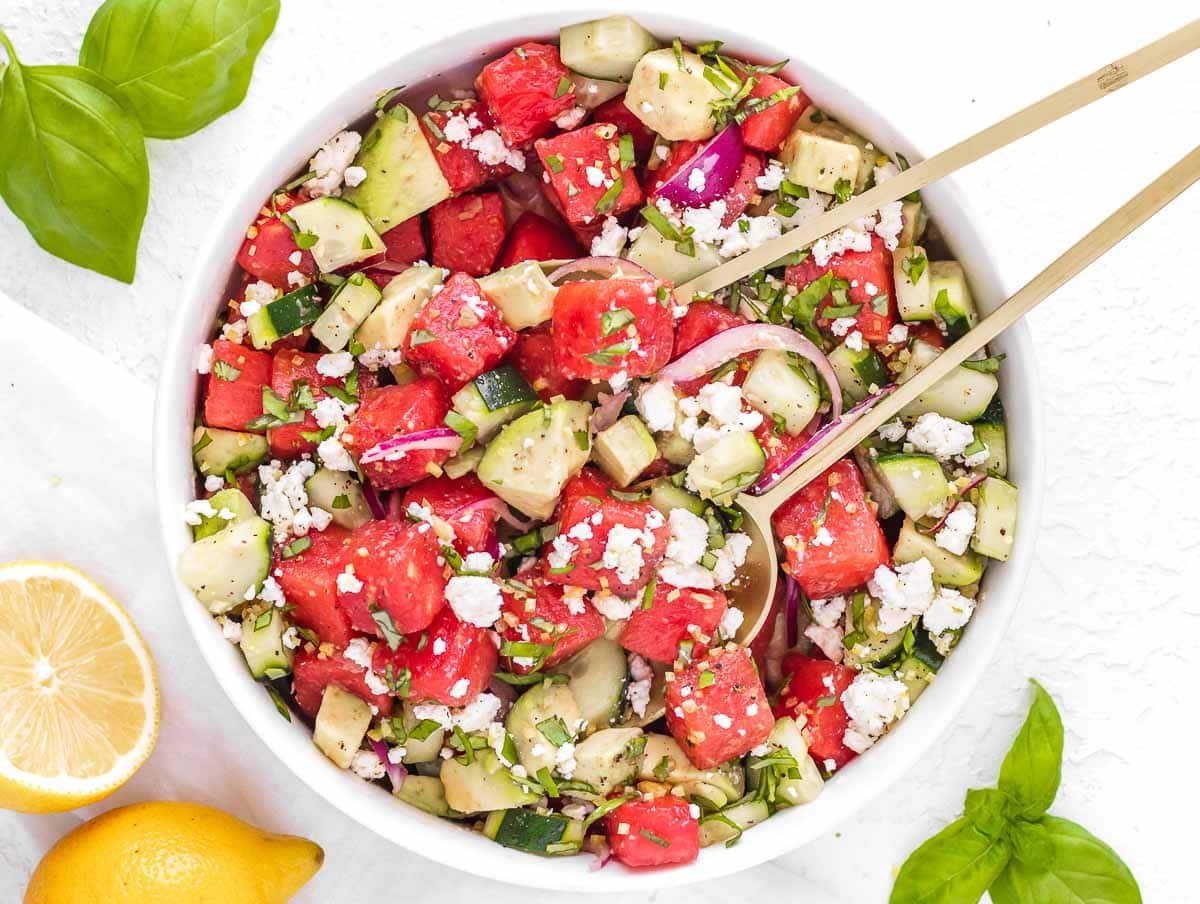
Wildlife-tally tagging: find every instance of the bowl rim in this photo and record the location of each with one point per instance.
(437, 839)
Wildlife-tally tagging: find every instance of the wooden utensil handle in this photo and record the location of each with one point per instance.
(1118, 74)
(1137, 211)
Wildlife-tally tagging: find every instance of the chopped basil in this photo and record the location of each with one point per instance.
(202, 443)
(677, 46)
(460, 736)
(384, 620)
(464, 427)
(279, 704)
(985, 365)
(662, 769)
(707, 678)
(399, 683)
(605, 807)
(844, 310)
(532, 678)
(608, 355)
(786, 208)
(609, 199)
(554, 730)
(790, 189)
(263, 620)
(299, 180)
(563, 87)
(296, 547)
(367, 244)
(546, 780)
(823, 702)
(223, 370)
(914, 267)
(341, 501)
(843, 190)
(657, 839)
(663, 77)
(423, 729)
(611, 321)
(625, 146)
(555, 163)
(388, 97)
(305, 240)
(661, 224)
(583, 440)
(648, 593)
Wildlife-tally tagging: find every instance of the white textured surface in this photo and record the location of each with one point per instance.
(1110, 614)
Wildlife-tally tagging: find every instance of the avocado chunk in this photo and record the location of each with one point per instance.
(537, 721)
(673, 97)
(523, 294)
(341, 725)
(665, 761)
(388, 325)
(534, 456)
(220, 569)
(425, 792)
(596, 676)
(403, 176)
(726, 467)
(343, 234)
(482, 785)
(625, 450)
(609, 758)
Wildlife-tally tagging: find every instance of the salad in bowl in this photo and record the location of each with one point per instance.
(466, 467)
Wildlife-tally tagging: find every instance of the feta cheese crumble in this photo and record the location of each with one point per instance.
(940, 436)
(956, 532)
(475, 600)
(873, 702)
(949, 611)
(903, 593)
(330, 163)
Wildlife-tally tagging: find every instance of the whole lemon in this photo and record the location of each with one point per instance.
(164, 852)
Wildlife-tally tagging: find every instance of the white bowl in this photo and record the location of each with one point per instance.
(442, 841)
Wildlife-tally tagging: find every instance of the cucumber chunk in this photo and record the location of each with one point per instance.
(220, 569)
(914, 217)
(858, 371)
(916, 675)
(534, 456)
(596, 676)
(425, 792)
(387, 326)
(727, 825)
(523, 294)
(419, 746)
(948, 569)
(995, 438)
(802, 788)
(952, 301)
(230, 500)
(464, 463)
(482, 785)
(625, 450)
(592, 92)
(779, 385)
(344, 236)
(541, 703)
(354, 300)
(666, 497)
(995, 518)
(493, 399)
(872, 647)
(340, 494)
(218, 451)
(283, 316)
(727, 467)
(608, 758)
(403, 175)
(341, 725)
(672, 96)
(662, 257)
(822, 157)
(262, 645)
(914, 297)
(964, 395)
(917, 482)
(547, 834)
(606, 48)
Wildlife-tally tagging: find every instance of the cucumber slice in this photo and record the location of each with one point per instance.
(218, 451)
(917, 482)
(483, 785)
(662, 257)
(493, 399)
(625, 450)
(608, 758)
(995, 438)
(340, 494)
(230, 499)
(535, 833)
(858, 371)
(523, 294)
(534, 456)
(341, 725)
(727, 467)
(914, 297)
(425, 792)
(605, 48)
(727, 826)
(596, 676)
(780, 385)
(354, 300)
(995, 518)
(916, 675)
(821, 158)
(221, 568)
(403, 175)
(666, 497)
(283, 316)
(387, 326)
(806, 785)
(262, 645)
(672, 96)
(948, 569)
(962, 396)
(543, 702)
(464, 463)
(952, 301)
(873, 647)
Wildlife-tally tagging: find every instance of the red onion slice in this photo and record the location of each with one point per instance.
(792, 608)
(608, 412)
(975, 481)
(769, 480)
(374, 503)
(605, 267)
(398, 446)
(732, 343)
(718, 163)
(396, 772)
(501, 509)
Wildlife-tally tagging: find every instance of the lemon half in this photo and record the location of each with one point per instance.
(79, 703)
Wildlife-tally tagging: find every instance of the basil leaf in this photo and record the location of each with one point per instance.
(1031, 844)
(1032, 769)
(73, 164)
(1082, 868)
(988, 810)
(179, 63)
(955, 866)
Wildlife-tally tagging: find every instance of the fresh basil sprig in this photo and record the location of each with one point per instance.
(180, 63)
(73, 154)
(1006, 844)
